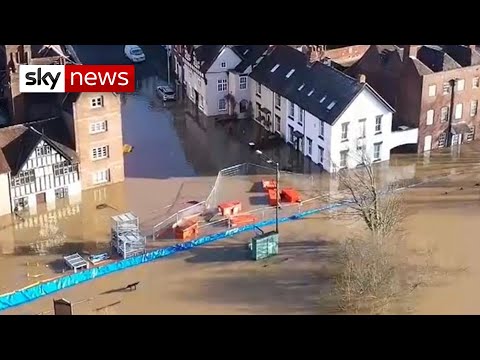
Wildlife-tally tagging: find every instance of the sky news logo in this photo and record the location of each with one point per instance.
(76, 78)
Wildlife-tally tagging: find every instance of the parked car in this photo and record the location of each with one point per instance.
(134, 53)
(166, 93)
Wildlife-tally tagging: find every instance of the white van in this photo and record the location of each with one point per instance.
(134, 53)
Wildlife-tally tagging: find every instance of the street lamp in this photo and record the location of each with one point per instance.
(277, 179)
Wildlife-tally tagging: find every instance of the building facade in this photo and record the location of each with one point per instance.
(334, 119)
(215, 77)
(435, 88)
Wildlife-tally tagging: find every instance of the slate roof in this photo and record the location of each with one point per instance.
(17, 143)
(320, 89)
(249, 55)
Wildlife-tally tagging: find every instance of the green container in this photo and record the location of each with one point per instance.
(264, 245)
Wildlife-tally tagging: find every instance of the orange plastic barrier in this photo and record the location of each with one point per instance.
(290, 195)
(242, 220)
(272, 197)
(269, 184)
(187, 230)
(230, 208)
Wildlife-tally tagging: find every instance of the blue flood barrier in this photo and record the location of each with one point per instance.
(35, 292)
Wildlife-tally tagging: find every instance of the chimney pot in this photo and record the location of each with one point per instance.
(362, 78)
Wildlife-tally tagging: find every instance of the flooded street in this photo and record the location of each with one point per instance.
(176, 156)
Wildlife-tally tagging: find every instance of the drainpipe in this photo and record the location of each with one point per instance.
(452, 83)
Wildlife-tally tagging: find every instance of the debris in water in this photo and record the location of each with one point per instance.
(461, 188)
(477, 184)
(445, 193)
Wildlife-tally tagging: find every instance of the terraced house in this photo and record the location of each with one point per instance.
(328, 116)
(433, 87)
(53, 146)
(215, 77)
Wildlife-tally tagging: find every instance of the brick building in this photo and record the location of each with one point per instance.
(433, 87)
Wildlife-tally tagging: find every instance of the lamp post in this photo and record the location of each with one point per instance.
(277, 181)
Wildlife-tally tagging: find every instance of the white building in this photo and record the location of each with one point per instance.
(35, 170)
(330, 117)
(216, 76)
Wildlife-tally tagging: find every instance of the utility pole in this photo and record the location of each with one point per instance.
(168, 63)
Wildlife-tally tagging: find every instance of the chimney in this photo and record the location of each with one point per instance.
(362, 78)
(410, 51)
(472, 47)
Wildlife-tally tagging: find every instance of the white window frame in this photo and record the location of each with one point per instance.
(432, 90)
(378, 124)
(473, 107)
(458, 111)
(220, 101)
(343, 161)
(258, 89)
(321, 129)
(96, 102)
(446, 88)
(278, 101)
(460, 84)
(98, 127)
(444, 110)
(223, 64)
(476, 82)
(101, 176)
(377, 151)
(363, 128)
(243, 82)
(301, 117)
(222, 85)
(100, 152)
(291, 109)
(201, 102)
(430, 117)
(278, 123)
(321, 152)
(344, 135)
(309, 146)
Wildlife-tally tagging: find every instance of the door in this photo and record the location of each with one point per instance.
(41, 198)
(427, 144)
(457, 139)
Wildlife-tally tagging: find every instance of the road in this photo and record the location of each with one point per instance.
(181, 142)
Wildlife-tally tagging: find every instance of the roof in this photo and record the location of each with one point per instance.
(320, 89)
(17, 143)
(249, 55)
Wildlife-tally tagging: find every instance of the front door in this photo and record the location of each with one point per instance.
(427, 145)
(41, 198)
(457, 139)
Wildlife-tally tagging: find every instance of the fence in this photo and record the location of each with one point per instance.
(239, 182)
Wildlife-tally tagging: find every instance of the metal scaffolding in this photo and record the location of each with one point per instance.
(126, 238)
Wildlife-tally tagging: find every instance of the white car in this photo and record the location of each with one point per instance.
(134, 53)
(166, 93)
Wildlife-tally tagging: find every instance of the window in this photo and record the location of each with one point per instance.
(290, 73)
(243, 82)
(278, 101)
(445, 114)
(64, 168)
(101, 176)
(432, 90)
(222, 85)
(200, 102)
(441, 140)
(460, 85)
(259, 110)
(21, 204)
(277, 123)
(471, 134)
(259, 89)
(100, 152)
(343, 158)
(223, 64)
(321, 129)
(199, 82)
(430, 114)
(98, 127)
(344, 131)
(96, 102)
(23, 178)
(43, 150)
(302, 114)
(309, 146)
(475, 82)
(61, 193)
(290, 133)
(291, 109)
(378, 124)
(458, 111)
(320, 155)
(446, 88)
(275, 68)
(377, 151)
(363, 128)
(331, 105)
(222, 104)
(473, 107)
